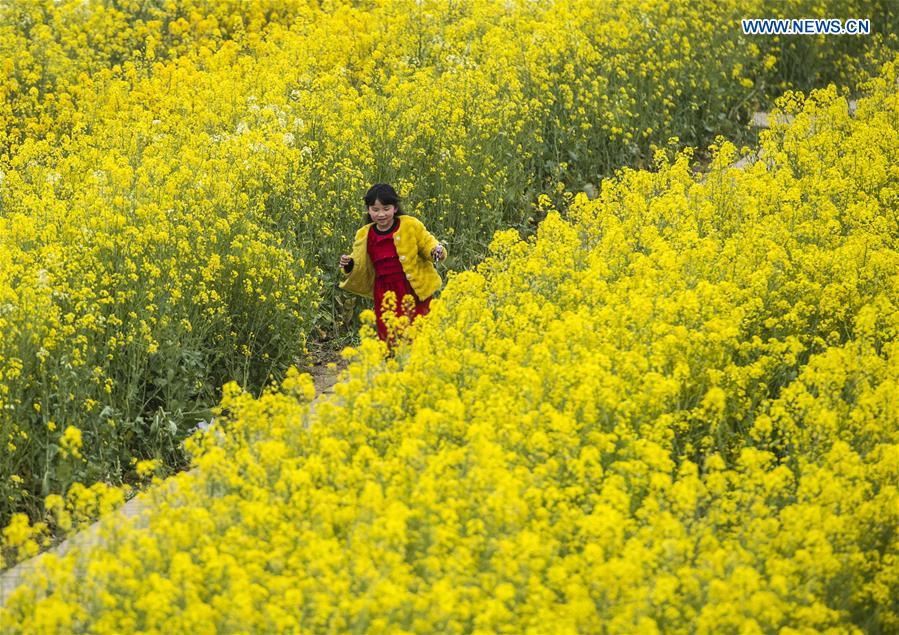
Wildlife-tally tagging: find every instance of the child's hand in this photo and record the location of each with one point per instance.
(437, 253)
(344, 260)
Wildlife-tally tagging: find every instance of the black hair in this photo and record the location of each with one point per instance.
(385, 193)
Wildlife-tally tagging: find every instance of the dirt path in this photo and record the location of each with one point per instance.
(323, 375)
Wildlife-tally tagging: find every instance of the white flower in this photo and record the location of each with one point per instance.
(204, 425)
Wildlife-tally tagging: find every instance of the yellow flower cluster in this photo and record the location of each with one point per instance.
(136, 275)
(177, 178)
(670, 410)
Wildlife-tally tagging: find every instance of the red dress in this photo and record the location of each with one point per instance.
(389, 275)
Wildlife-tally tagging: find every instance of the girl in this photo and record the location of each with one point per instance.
(393, 252)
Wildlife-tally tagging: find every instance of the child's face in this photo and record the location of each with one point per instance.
(382, 214)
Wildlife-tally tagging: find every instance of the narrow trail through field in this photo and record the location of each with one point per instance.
(325, 372)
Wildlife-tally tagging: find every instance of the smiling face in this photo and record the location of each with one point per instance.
(382, 215)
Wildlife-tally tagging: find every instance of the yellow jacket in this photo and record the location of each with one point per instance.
(413, 246)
